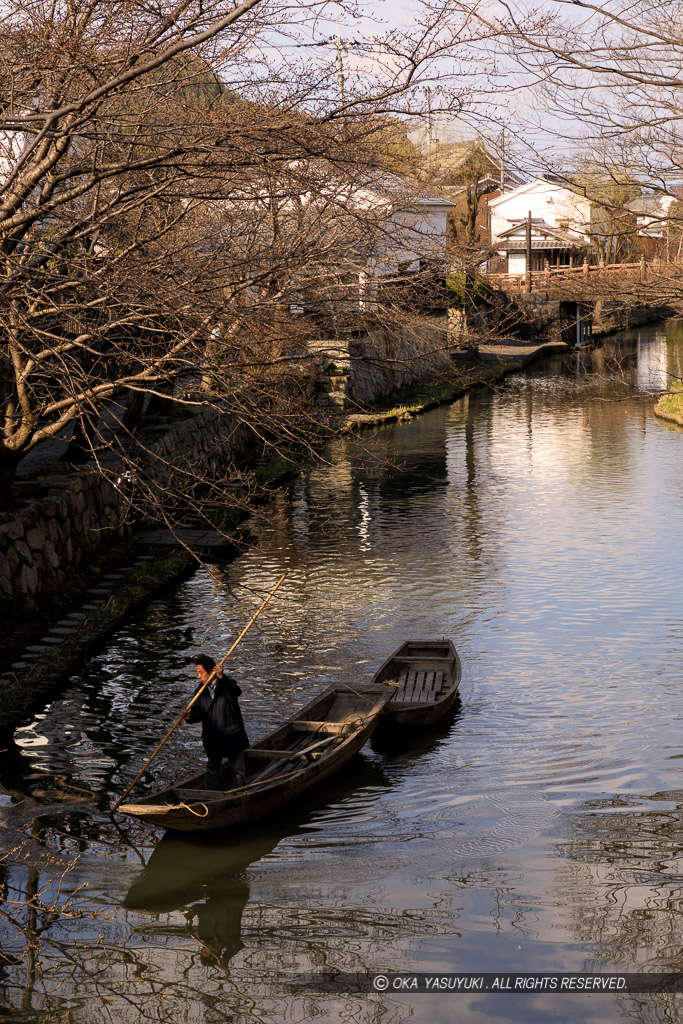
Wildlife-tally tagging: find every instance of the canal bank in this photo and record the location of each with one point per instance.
(670, 407)
(537, 524)
(40, 655)
(41, 650)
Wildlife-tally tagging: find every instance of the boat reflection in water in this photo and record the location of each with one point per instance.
(205, 879)
(205, 875)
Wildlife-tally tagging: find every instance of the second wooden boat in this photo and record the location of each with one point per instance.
(280, 767)
(427, 676)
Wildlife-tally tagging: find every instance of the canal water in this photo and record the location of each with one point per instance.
(537, 829)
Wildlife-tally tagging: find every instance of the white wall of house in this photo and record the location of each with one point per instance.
(411, 235)
(651, 221)
(556, 205)
(516, 263)
(11, 147)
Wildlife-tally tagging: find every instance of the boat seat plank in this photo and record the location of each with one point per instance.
(332, 728)
(416, 659)
(406, 693)
(435, 688)
(263, 752)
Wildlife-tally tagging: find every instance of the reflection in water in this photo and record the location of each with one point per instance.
(622, 887)
(206, 881)
(539, 526)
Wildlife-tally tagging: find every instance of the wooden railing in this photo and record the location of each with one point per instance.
(643, 271)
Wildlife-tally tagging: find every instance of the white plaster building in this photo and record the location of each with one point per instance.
(651, 213)
(560, 224)
(12, 145)
(413, 222)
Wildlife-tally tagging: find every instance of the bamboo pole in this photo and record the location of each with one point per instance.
(201, 689)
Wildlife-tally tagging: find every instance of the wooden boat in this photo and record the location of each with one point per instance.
(427, 674)
(280, 767)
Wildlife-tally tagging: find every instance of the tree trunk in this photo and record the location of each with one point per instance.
(8, 468)
(132, 417)
(81, 443)
(470, 311)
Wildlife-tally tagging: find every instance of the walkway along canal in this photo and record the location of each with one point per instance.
(538, 525)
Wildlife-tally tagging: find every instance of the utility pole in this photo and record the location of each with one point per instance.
(502, 161)
(428, 96)
(340, 67)
(528, 251)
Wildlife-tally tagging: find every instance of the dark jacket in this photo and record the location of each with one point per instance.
(223, 732)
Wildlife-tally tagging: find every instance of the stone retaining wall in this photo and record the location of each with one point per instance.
(365, 368)
(51, 535)
(201, 445)
(67, 516)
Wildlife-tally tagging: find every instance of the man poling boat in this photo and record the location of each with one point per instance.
(203, 685)
(223, 733)
(312, 745)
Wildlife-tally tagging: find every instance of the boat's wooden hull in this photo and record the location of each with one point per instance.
(294, 765)
(427, 674)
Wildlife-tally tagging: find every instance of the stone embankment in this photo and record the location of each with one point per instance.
(670, 408)
(67, 516)
(363, 368)
(75, 515)
(81, 513)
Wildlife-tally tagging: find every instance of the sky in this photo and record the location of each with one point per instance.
(475, 86)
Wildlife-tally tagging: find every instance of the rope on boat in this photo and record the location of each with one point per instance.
(227, 792)
(186, 807)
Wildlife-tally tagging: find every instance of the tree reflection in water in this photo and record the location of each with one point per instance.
(624, 853)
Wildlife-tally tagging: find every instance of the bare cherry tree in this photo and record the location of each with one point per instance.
(180, 204)
(603, 86)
